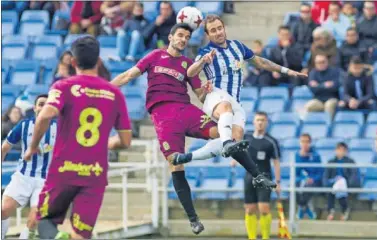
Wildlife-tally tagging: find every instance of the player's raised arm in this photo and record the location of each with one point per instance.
(14, 136)
(268, 65)
(126, 77)
(202, 92)
(199, 65)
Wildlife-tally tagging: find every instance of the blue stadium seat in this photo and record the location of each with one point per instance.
(116, 68)
(6, 102)
(371, 173)
(362, 156)
(49, 68)
(283, 131)
(302, 92)
(5, 66)
(349, 117)
(13, 155)
(248, 106)
(298, 104)
(285, 118)
(328, 143)
(25, 72)
(216, 172)
(136, 108)
(179, 5)
(371, 125)
(210, 7)
(133, 91)
(32, 91)
(142, 81)
(289, 147)
(9, 21)
(151, 10)
(107, 46)
(274, 93)
(46, 47)
(249, 93)
(372, 117)
(249, 127)
(271, 105)
(290, 18)
(197, 37)
(10, 90)
(353, 130)
(287, 155)
(361, 144)
(59, 14)
(211, 184)
(316, 124)
(317, 117)
(192, 183)
(14, 47)
(369, 196)
(71, 38)
(239, 185)
(283, 195)
(34, 22)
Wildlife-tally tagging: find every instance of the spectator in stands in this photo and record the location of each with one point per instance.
(114, 15)
(258, 77)
(324, 83)
(302, 29)
(337, 23)
(340, 179)
(9, 120)
(320, 11)
(358, 87)
(164, 22)
(64, 68)
(307, 176)
(352, 46)
(324, 44)
(85, 17)
(367, 25)
(350, 12)
(288, 54)
(130, 40)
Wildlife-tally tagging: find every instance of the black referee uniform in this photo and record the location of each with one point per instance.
(262, 150)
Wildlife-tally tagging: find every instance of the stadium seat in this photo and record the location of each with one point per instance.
(133, 91)
(25, 72)
(210, 7)
(9, 21)
(290, 18)
(13, 155)
(197, 37)
(5, 66)
(371, 173)
(34, 22)
(302, 92)
(116, 68)
(283, 195)
(283, 131)
(142, 81)
(60, 14)
(298, 105)
(107, 46)
(136, 108)
(349, 117)
(328, 143)
(10, 90)
(271, 105)
(285, 118)
(71, 38)
(353, 130)
(371, 125)
(32, 91)
(150, 10)
(14, 47)
(248, 106)
(192, 183)
(316, 124)
(289, 147)
(362, 156)
(46, 47)
(49, 68)
(249, 93)
(177, 6)
(238, 184)
(317, 117)
(6, 102)
(249, 127)
(368, 196)
(358, 144)
(274, 93)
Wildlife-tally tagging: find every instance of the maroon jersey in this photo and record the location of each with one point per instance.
(89, 107)
(167, 78)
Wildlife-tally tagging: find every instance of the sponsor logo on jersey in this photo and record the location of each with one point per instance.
(78, 91)
(171, 72)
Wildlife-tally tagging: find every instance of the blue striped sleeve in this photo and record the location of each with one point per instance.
(247, 52)
(14, 136)
(201, 53)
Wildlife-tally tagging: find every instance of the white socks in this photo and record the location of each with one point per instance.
(225, 126)
(4, 227)
(211, 149)
(24, 234)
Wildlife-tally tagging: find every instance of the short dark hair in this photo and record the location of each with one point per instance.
(140, 4)
(167, 2)
(40, 96)
(307, 135)
(283, 27)
(335, 3)
(86, 52)
(342, 144)
(356, 60)
(261, 113)
(305, 4)
(177, 26)
(351, 29)
(211, 18)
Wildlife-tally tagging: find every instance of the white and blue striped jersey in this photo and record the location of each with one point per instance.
(225, 72)
(39, 164)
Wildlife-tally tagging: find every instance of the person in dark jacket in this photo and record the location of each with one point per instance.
(352, 46)
(287, 54)
(332, 176)
(130, 40)
(358, 87)
(324, 83)
(302, 29)
(85, 17)
(367, 25)
(307, 176)
(162, 26)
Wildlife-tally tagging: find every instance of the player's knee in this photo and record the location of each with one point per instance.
(221, 108)
(264, 210)
(4, 214)
(250, 209)
(172, 167)
(7, 209)
(214, 132)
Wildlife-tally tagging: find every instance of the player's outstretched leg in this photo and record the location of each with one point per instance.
(182, 188)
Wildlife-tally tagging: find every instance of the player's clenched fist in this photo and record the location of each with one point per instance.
(30, 152)
(209, 57)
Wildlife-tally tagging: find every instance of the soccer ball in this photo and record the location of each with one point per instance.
(190, 15)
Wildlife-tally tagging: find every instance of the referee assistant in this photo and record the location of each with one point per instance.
(263, 148)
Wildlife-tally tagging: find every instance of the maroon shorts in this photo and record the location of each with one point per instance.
(173, 121)
(55, 198)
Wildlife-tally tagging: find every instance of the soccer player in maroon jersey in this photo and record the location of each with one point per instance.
(87, 108)
(174, 117)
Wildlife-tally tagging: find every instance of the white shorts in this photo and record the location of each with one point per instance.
(217, 96)
(24, 188)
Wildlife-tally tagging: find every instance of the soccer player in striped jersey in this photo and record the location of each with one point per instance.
(28, 180)
(221, 61)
